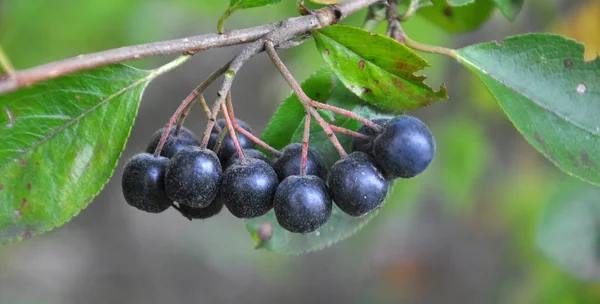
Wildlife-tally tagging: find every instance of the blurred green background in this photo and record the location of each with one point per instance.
(463, 232)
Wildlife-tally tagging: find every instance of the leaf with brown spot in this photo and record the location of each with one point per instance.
(537, 79)
(363, 58)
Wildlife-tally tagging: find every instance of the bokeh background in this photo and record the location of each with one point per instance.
(463, 232)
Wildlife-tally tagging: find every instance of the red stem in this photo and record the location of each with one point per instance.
(187, 101)
(304, 99)
(347, 113)
(347, 132)
(305, 141)
(251, 136)
(186, 113)
(234, 137)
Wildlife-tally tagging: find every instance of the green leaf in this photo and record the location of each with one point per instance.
(549, 92)
(241, 4)
(376, 68)
(340, 226)
(457, 19)
(510, 8)
(61, 141)
(569, 230)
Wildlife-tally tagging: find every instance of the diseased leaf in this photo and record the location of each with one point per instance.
(340, 226)
(457, 19)
(61, 141)
(376, 68)
(569, 231)
(549, 92)
(241, 4)
(510, 8)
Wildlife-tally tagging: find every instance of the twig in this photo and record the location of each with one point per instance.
(289, 28)
(394, 29)
(302, 97)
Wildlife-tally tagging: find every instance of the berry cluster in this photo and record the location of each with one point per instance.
(298, 186)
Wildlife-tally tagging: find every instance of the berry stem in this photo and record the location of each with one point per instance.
(232, 68)
(346, 113)
(187, 101)
(347, 132)
(251, 136)
(305, 141)
(304, 99)
(198, 91)
(186, 105)
(231, 128)
(219, 142)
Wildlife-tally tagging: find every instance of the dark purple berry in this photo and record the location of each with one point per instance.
(356, 185)
(173, 143)
(405, 148)
(193, 177)
(302, 204)
(227, 148)
(250, 153)
(143, 183)
(202, 213)
(366, 145)
(248, 187)
(290, 162)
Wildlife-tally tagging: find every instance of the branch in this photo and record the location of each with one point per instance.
(286, 30)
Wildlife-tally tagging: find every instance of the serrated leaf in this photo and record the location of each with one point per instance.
(340, 226)
(569, 230)
(550, 94)
(510, 8)
(376, 68)
(242, 4)
(458, 19)
(61, 141)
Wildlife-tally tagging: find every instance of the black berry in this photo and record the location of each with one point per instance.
(250, 153)
(405, 148)
(248, 187)
(202, 213)
(227, 148)
(366, 145)
(290, 162)
(193, 176)
(143, 183)
(356, 185)
(302, 204)
(173, 143)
